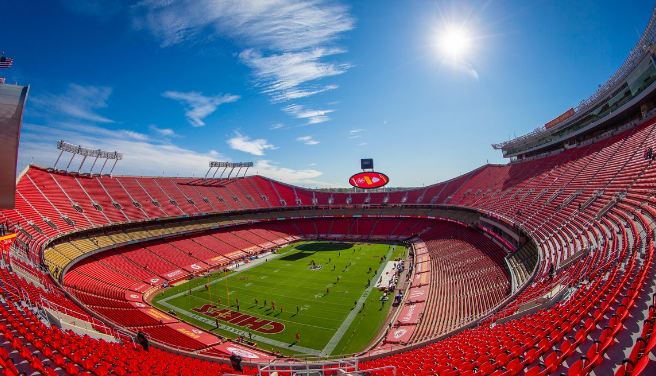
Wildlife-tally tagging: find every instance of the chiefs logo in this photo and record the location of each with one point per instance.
(134, 296)
(417, 294)
(243, 353)
(368, 180)
(400, 333)
(195, 267)
(154, 280)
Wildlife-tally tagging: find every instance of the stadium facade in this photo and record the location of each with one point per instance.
(540, 266)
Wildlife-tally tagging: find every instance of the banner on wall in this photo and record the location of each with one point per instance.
(564, 116)
(5, 243)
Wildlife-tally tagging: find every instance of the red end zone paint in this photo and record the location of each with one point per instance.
(369, 180)
(240, 319)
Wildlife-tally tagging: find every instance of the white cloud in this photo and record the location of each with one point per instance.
(77, 101)
(286, 42)
(285, 76)
(142, 156)
(283, 25)
(245, 144)
(307, 140)
(363, 144)
(355, 133)
(277, 126)
(305, 178)
(197, 106)
(312, 116)
(164, 132)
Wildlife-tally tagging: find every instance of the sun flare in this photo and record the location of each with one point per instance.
(455, 43)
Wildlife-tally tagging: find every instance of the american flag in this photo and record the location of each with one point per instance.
(2, 80)
(5, 62)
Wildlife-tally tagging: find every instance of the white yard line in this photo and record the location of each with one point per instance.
(230, 329)
(330, 347)
(260, 315)
(242, 268)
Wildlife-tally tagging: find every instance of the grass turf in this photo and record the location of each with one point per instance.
(288, 281)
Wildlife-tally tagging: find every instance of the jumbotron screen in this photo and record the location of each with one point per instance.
(369, 180)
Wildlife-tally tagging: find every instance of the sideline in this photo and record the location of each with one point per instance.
(330, 347)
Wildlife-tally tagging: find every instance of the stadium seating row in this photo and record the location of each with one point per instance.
(593, 201)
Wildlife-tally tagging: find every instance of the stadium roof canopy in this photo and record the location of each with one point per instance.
(640, 56)
(12, 102)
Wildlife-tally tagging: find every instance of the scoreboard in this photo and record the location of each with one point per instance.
(369, 180)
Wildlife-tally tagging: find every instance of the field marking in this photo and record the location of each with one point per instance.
(273, 287)
(259, 315)
(230, 329)
(330, 347)
(241, 270)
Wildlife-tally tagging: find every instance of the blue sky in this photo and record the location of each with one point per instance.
(305, 88)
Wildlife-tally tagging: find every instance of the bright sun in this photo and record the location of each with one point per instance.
(455, 43)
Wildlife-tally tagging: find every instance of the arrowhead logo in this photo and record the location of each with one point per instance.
(242, 353)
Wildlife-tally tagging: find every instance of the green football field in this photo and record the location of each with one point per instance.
(331, 306)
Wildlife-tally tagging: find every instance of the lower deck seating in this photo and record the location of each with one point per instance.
(593, 201)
